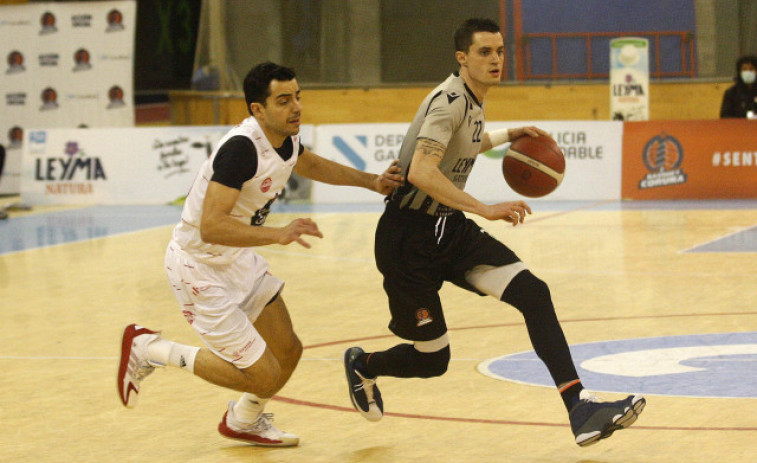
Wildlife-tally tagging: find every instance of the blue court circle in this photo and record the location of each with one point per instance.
(722, 365)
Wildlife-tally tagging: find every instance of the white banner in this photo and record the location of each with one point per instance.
(592, 154)
(151, 165)
(629, 79)
(113, 166)
(366, 147)
(593, 162)
(66, 65)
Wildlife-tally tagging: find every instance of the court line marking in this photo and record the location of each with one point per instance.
(722, 237)
(294, 401)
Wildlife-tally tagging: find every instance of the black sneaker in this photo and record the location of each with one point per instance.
(592, 420)
(364, 393)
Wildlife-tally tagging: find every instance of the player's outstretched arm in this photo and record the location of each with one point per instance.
(320, 169)
(218, 227)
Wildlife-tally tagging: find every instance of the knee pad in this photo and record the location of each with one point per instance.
(526, 292)
(430, 364)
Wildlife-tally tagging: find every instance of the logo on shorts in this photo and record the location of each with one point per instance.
(266, 185)
(423, 317)
(189, 315)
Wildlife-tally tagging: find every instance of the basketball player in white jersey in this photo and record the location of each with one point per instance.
(224, 288)
(424, 239)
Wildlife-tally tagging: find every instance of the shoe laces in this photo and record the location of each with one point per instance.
(587, 396)
(366, 385)
(264, 422)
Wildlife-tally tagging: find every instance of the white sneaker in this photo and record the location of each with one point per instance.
(133, 365)
(261, 432)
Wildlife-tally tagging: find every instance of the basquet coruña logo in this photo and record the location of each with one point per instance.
(48, 23)
(81, 58)
(662, 157)
(15, 62)
(115, 21)
(49, 99)
(116, 97)
(15, 136)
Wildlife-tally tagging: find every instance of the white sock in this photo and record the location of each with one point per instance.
(249, 407)
(162, 352)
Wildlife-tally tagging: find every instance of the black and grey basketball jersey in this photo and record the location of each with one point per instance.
(452, 116)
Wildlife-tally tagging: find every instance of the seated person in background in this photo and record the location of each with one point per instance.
(740, 100)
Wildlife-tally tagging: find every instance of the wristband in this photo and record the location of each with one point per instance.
(498, 137)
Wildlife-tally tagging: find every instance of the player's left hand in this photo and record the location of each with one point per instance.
(530, 130)
(389, 179)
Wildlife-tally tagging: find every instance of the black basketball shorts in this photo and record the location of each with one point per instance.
(416, 253)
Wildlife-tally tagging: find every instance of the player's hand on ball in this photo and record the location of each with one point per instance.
(513, 212)
(528, 130)
(295, 230)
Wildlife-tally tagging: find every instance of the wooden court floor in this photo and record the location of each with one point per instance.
(71, 279)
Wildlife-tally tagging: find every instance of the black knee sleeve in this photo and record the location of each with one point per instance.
(430, 364)
(527, 293)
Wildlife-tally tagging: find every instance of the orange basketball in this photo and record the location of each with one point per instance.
(533, 166)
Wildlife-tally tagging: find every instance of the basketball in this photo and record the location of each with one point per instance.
(533, 166)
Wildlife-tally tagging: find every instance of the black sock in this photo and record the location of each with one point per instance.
(571, 394)
(361, 365)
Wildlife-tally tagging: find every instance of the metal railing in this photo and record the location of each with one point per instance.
(686, 67)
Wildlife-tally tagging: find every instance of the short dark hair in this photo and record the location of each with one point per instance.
(257, 83)
(464, 33)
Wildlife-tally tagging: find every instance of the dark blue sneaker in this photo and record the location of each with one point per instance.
(592, 420)
(364, 393)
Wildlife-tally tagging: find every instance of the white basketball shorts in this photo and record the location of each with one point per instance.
(221, 302)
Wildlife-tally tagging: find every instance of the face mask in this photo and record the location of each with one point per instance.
(748, 76)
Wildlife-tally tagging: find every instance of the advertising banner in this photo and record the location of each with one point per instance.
(146, 165)
(714, 159)
(113, 166)
(66, 64)
(593, 160)
(592, 153)
(366, 147)
(629, 79)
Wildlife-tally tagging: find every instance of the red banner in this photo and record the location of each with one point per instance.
(690, 159)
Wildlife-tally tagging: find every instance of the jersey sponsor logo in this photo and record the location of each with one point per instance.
(266, 185)
(423, 317)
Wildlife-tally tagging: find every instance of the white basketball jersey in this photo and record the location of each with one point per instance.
(255, 199)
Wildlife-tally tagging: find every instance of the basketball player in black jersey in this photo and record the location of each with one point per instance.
(423, 239)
